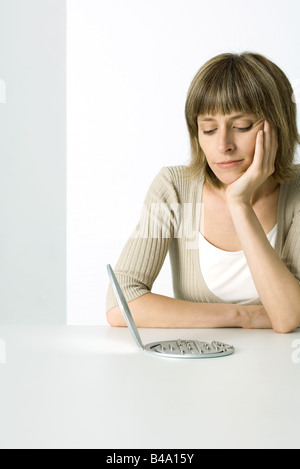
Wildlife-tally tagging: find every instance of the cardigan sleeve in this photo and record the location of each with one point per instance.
(144, 253)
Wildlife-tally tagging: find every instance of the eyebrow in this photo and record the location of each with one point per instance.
(209, 119)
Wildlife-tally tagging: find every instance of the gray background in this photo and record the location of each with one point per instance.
(33, 162)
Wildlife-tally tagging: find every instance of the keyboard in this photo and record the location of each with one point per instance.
(190, 348)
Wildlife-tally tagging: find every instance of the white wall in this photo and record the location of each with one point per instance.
(130, 63)
(33, 161)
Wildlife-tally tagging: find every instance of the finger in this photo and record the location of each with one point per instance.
(270, 145)
(267, 143)
(259, 150)
(271, 136)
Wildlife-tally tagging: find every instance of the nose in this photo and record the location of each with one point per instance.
(226, 143)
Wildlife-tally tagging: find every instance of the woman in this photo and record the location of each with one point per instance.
(231, 219)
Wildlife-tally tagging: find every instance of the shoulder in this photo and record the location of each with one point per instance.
(173, 184)
(179, 177)
(174, 172)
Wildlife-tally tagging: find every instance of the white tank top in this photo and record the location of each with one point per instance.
(227, 274)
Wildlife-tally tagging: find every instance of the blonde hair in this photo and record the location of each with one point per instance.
(248, 83)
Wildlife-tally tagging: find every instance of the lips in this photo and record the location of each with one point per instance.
(229, 164)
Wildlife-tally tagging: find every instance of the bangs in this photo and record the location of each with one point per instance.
(228, 89)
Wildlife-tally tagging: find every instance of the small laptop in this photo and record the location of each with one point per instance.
(169, 348)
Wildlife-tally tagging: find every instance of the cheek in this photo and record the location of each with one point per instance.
(248, 145)
(206, 146)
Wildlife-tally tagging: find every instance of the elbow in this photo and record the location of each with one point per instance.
(115, 318)
(286, 327)
(110, 318)
(283, 330)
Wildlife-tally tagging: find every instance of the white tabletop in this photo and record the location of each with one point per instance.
(91, 387)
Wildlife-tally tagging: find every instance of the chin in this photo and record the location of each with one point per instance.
(229, 178)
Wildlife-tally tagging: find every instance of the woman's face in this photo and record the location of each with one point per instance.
(228, 142)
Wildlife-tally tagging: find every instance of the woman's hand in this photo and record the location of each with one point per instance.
(262, 167)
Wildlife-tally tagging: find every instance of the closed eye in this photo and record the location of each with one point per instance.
(244, 129)
(241, 129)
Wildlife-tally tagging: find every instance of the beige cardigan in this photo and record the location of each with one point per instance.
(170, 222)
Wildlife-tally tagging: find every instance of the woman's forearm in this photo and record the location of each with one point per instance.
(152, 310)
(278, 289)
